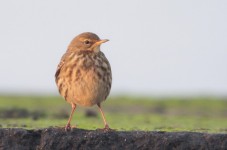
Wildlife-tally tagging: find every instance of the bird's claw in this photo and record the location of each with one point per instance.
(106, 129)
(67, 127)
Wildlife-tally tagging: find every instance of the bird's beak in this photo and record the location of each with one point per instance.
(101, 41)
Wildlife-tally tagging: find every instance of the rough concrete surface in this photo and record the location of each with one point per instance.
(57, 138)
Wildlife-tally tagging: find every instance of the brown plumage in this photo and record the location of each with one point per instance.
(83, 75)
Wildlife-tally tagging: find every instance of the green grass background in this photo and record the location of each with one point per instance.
(200, 114)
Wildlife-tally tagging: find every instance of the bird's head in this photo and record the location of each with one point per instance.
(86, 41)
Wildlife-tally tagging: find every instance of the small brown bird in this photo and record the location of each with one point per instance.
(83, 75)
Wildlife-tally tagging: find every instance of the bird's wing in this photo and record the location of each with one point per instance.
(60, 65)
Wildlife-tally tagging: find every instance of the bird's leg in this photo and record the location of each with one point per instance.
(103, 117)
(68, 126)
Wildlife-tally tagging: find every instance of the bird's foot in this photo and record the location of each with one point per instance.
(68, 127)
(106, 129)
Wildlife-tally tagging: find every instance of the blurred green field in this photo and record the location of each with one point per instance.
(123, 113)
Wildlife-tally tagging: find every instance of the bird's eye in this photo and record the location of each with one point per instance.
(86, 42)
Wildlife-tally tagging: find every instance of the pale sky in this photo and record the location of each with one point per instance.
(156, 47)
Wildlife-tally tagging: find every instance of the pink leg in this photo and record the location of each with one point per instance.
(103, 117)
(68, 126)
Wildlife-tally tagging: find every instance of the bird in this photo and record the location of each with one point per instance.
(84, 76)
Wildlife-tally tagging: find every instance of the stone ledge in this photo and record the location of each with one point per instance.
(57, 138)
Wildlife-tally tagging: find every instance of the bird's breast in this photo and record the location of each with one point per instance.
(88, 78)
